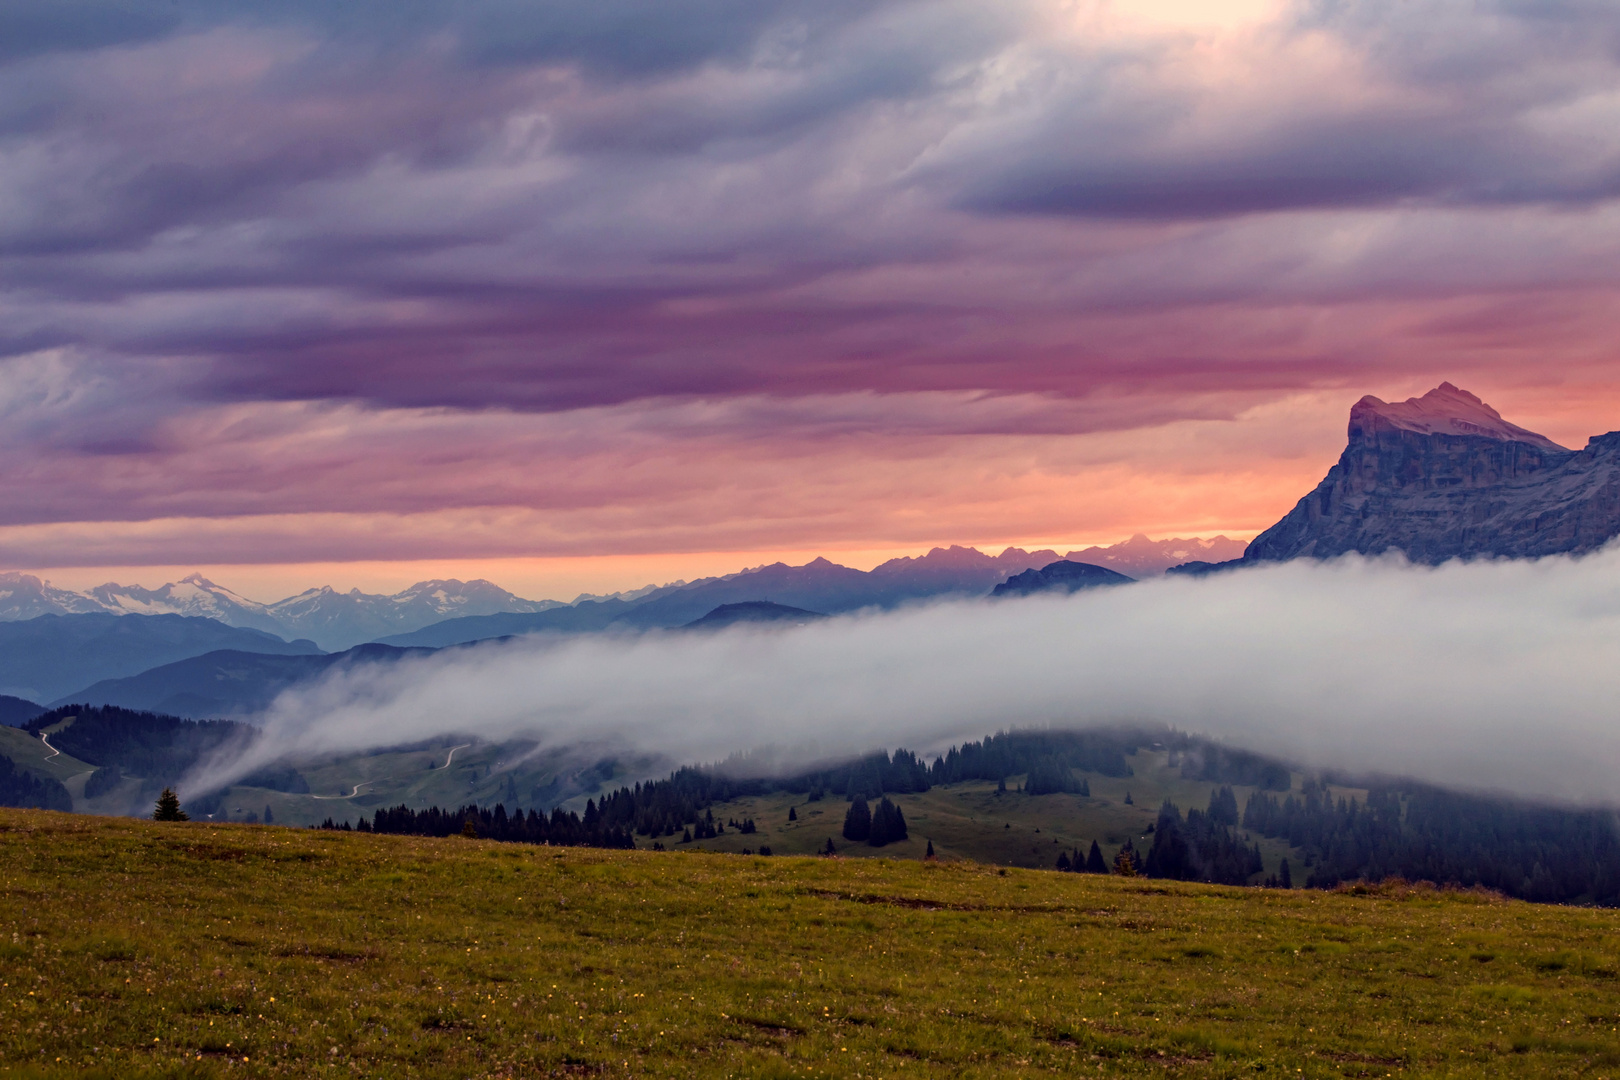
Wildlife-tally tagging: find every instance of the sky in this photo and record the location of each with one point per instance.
(582, 296)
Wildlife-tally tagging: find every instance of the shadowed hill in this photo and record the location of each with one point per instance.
(224, 683)
(1060, 577)
(753, 611)
(43, 658)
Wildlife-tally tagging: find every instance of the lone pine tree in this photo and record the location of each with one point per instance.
(168, 808)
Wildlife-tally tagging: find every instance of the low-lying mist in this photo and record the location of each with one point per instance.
(1490, 675)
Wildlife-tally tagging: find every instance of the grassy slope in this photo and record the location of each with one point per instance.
(127, 946)
(965, 820)
(971, 821)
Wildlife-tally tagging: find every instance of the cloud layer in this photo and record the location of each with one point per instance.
(1493, 675)
(253, 253)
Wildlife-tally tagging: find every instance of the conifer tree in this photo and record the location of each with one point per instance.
(793, 815)
(930, 854)
(858, 821)
(1285, 878)
(686, 836)
(829, 849)
(1063, 861)
(1095, 863)
(168, 808)
(1128, 800)
(269, 818)
(1125, 861)
(469, 829)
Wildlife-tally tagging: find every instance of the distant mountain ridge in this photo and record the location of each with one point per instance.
(1444, 476)
(445, 612)
(332, 619)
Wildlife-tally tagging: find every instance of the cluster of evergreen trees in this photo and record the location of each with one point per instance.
(1049, 776)
(1201, 760)
(1012, 752)
(1083, 864)
(24, 789)
(1424, 834)
(885, 825)
(1203, 846)
(674, 806)
(562, 828)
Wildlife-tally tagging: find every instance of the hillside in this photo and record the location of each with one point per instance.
(45, 657)
(223, 683)
(131, 947)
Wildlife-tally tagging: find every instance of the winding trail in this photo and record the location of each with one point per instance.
(448, 758)
(351, 794)
(46, 739)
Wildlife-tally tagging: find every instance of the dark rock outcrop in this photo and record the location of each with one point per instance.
(1444, 476)
(1062, 576)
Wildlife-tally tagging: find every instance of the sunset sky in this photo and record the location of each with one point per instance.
(578, 296)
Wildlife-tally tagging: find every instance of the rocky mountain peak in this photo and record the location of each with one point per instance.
(1443, 476)
(1445, 410)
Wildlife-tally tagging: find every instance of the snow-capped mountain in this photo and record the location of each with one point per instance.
(1140, 557)
(337, 620)
(191, 595)
(331, 619)
(24, 596)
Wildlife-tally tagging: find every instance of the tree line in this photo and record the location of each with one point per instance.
(1421, 833)
(560, 828)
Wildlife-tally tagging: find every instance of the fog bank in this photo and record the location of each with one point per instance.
(1494, 675)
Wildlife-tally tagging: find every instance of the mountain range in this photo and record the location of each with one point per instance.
(333, 620)
(336, 620)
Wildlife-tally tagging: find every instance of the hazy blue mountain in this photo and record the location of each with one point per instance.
(15, 712)
(753, 611)
(1064, 576)
(45, 657)
(224, 683)
(1140, 557)
(819, 585)
(586, 617)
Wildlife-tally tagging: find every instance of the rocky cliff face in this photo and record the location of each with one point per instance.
(1444, 476)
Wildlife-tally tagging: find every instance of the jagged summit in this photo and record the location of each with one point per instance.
(1445, 410)
(1442, 477)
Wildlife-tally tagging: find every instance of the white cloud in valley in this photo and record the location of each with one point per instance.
(1491, 675)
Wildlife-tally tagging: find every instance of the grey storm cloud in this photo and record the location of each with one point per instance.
(575, 205)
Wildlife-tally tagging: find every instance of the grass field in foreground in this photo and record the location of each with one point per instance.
(129, 948)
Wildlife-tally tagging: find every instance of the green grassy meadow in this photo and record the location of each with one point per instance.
(129, 948)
